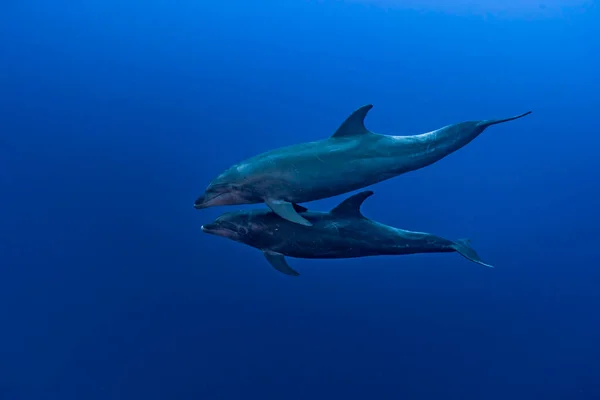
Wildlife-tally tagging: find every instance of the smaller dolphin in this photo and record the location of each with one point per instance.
(351, 159)
(341, 233)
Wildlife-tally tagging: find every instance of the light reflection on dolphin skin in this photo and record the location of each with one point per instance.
(344, 232)
(351, 159)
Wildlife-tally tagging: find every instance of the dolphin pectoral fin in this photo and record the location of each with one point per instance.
(277, 261)
(354, 124)
(463, 247)
(287, 211)
(299, 209)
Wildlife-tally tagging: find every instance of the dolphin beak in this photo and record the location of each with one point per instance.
(211, 200)
(218, 230)
(200, 203)
(209, 228)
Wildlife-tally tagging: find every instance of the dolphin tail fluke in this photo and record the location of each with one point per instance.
(489, 122)
(463, 247)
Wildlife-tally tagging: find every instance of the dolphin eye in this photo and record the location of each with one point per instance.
(242, 230)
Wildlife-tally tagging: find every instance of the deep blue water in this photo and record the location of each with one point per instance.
(114, 116)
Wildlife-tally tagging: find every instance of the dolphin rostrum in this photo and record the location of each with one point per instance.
(341, 233)
(351, 159)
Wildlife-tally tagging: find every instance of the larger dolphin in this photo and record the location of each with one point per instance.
(341, 233)
(351, 159)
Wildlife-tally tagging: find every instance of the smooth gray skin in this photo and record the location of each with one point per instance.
(353, 158)
(341, 233)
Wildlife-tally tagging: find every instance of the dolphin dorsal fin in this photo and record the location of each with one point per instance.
(354, 124)
(351, 206)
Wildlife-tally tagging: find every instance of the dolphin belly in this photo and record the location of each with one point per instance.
(330, 249)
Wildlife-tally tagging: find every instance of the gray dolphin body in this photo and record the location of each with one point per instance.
(341, 233)
(351, 159)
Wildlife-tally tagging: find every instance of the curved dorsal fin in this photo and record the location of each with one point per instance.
(351, 206)
(354, 124)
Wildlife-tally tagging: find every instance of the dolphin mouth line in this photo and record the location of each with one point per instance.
(215, 229)
(199, 206)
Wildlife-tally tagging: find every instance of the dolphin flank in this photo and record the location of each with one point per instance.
(351, 159)
(344, 232)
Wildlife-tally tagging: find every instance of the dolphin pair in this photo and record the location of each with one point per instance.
(353, 158)
(344, 232)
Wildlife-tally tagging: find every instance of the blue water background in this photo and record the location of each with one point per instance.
(114, 116)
